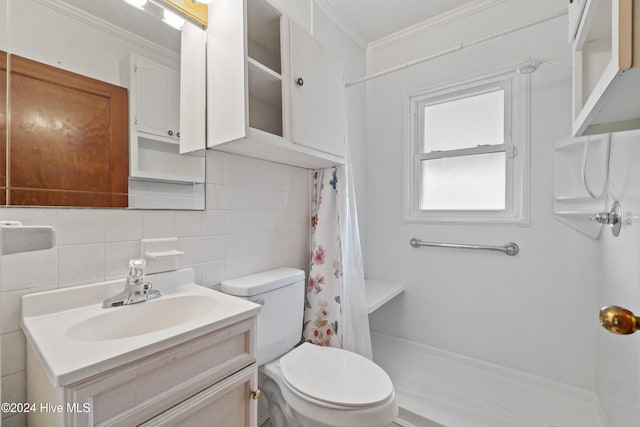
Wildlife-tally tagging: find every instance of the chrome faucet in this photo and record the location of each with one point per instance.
(135, 290)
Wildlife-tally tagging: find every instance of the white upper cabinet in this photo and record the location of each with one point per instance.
(606, 66)
(256, 104)
(154, 124)
(317, 95)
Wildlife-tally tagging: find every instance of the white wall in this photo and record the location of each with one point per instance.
(534, 312)
(354, 59)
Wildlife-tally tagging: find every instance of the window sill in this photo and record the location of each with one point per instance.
(452, 219)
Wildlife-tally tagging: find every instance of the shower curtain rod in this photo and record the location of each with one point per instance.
(456, 48)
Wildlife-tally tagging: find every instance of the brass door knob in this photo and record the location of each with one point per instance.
(618, 320)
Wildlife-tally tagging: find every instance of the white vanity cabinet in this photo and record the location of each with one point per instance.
(606, 66)
(274, 92)
(205, 380)
(154, 123)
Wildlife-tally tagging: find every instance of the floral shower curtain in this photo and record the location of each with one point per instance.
(335, 304)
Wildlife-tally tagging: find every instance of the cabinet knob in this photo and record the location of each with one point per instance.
(255, 394)
(178, 134)
(299, 81)
(170, 133)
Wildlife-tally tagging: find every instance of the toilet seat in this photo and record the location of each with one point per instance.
(335, 378)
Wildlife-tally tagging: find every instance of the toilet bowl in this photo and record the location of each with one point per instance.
(309, 385)
(329, 387)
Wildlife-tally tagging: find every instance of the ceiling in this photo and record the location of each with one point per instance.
(370, 20)
(374, 19)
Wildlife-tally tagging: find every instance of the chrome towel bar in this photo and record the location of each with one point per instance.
(509, 248)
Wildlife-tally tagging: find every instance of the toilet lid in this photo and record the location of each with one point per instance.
(335, 376)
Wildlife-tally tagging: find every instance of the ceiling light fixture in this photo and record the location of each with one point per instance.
(173, 20)
(137, 3)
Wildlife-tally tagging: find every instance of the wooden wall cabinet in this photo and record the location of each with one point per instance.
(154, 123)
(274, 92)
(606, 67)
(204, 381)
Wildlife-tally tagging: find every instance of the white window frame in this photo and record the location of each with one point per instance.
(516, 146)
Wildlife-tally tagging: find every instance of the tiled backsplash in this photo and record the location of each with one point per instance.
(256, 219)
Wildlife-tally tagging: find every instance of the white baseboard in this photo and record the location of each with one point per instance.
(441, 388)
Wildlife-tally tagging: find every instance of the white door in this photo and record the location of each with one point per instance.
(318, 102)
(618, 367)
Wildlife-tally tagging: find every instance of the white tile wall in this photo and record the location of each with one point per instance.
(256, 219)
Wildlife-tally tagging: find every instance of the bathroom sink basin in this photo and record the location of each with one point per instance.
(76, 338)
(143, 318)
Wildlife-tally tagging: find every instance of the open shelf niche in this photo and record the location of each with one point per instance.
(264, 67)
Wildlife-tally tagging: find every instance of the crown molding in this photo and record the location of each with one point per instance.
(445, 18)
(339, 20)
(109, 28)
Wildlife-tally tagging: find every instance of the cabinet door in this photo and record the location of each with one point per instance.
(157, 97)
(228, 403)
(318, 103)
(226, 72)
(576, 7)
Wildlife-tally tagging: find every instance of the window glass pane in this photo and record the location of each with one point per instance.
(463, 123)
(475, 182)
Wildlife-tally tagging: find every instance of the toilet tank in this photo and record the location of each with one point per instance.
(281, 294)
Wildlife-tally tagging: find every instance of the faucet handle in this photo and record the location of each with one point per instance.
(612, 218)
(136, 268)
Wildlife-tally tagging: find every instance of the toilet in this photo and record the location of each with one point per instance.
(307, 385)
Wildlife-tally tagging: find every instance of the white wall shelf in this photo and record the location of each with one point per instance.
(580, 181)
(379, 293)
(606, 68)
(16, 238)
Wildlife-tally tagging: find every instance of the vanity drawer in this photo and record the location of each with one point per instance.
(142, 389)
(227, 404)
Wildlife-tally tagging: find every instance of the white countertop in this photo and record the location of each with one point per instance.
(380, 292)
(49, 318)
